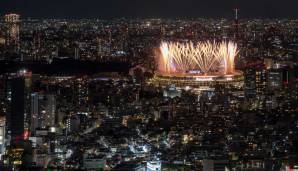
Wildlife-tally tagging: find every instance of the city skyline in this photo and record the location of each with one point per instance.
(152, 85)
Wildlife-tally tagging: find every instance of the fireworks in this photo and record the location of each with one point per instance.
(203, 57)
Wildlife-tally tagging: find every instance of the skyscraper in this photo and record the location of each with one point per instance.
(13, 29)
(275, 79)
(17, 116)
(49, 116)
(250, 82)
(34, 112)
(2, 136)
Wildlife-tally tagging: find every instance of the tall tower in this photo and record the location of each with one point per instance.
(236, 23)
(13, 28)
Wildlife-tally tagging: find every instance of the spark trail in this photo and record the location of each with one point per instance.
(206, 57)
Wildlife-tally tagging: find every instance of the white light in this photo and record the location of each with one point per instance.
(52, 129)
(23, 71)
(204, 79)
(187, 88)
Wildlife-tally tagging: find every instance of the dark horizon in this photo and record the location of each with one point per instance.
(150, 9)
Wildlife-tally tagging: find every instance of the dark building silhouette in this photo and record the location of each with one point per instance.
(16, 118)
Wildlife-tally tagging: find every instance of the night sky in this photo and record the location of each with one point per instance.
(150, 8)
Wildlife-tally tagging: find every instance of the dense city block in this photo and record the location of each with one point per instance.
(148, 94)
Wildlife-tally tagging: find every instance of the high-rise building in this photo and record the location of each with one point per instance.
(2, 136)
(49, 116)
(261, 81)
(43, 111)
(36, 45)
(7, 102)
(250, 83)
(17, 116)
(34, 112)
(16, 102)
(13, 28)
(255, 81)
(275, 79)
(81, 91)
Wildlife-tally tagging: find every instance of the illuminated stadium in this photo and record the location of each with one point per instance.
(197, 64)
